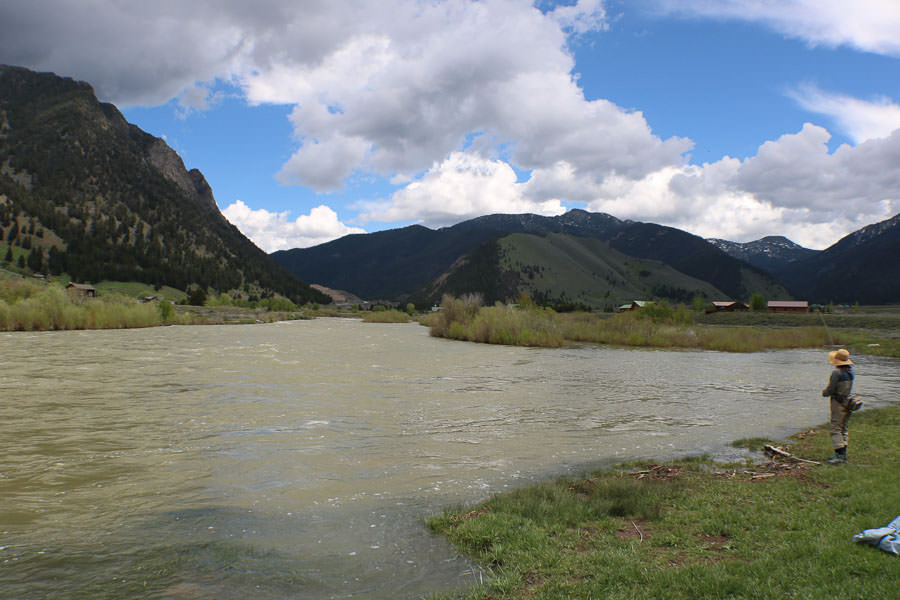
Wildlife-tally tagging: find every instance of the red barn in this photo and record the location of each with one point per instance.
(788, 306)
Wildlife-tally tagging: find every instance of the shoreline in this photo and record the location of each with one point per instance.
(692, 527)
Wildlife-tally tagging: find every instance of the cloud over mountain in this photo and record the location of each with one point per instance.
(478, 107)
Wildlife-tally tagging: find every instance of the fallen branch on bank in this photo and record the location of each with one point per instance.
(776, 452)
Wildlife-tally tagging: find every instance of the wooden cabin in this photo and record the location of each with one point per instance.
(728, 306)
(633, 305)
(81, 290)
(789, 306)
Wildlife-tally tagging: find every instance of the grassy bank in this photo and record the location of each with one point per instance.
(465, 319)
(696, 529)
(40, 306)
(385, 316)
(661, 326)
(27, 306)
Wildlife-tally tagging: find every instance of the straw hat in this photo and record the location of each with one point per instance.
(840, 358)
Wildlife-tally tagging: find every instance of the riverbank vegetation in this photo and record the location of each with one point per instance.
(660, 325)
(466, 319)
(694, 528)
(27, 305)
(386, 316)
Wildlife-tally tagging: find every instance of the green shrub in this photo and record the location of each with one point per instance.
(758, 302)
(277, 303)
(166, 310)
(386, 316)
(466, 319)
(222, 299)
(197, 296)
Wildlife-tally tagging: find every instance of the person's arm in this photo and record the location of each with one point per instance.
(832, 383)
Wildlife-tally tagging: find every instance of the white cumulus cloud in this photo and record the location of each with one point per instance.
(859, 119)
(275, 231)
(793, 186)
(461, 187)
(869, 25)
(381, 87)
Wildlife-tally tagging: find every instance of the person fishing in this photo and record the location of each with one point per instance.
(840, 384)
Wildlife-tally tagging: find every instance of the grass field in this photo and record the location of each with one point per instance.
(875, 332)
(38, 305)
(386, 316)
(134, 289)
(697, 529)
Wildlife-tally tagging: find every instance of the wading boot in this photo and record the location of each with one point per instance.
(839, 458)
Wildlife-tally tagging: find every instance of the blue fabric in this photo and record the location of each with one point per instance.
(884, 538)
(846, 374)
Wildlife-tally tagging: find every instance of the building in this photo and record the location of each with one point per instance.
(789, 306)
(633, 305)
(728, 306)
(81, 290)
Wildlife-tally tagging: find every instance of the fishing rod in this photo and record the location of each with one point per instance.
(825, 325)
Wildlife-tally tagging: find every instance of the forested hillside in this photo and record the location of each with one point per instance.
(862, 267)
(88, 194)
(401, 262)
(564, 270)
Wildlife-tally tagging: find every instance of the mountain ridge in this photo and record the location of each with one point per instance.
(562, 270)
(771, 253)
(863, 267)
(367, 264)
(111, 201)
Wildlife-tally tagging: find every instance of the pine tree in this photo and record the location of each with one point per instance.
(36, 260)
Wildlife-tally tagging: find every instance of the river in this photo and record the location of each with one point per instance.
(300, 460)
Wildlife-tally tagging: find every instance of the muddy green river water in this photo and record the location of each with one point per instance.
(300, 460)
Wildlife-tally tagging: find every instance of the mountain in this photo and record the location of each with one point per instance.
(862, 267)
(396, 263)
(96, 197)
(771, 254)
(562, 269)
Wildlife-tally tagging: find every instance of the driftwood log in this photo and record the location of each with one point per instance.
(775, 451)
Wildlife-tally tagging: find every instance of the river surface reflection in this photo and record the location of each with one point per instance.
(300, 460)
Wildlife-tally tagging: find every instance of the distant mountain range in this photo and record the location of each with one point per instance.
(88, 194)
(562, 270)
(413, 262)
(549, 262)
(771, 254)
(862, 267)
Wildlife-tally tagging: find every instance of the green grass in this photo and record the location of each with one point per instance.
(386, 316)
(660, 327)
(568, 268)
(465, 319)
(39, 306)
(696, 529)
(16, 251)
(135, 289)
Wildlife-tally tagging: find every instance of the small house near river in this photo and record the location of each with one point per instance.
(81, 290)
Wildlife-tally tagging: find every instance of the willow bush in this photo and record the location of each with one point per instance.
(657, 325)
(676, 331)
(465, 319)
(386, 316)
(26, 306)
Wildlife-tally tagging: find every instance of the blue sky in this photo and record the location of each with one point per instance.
(731, 118)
